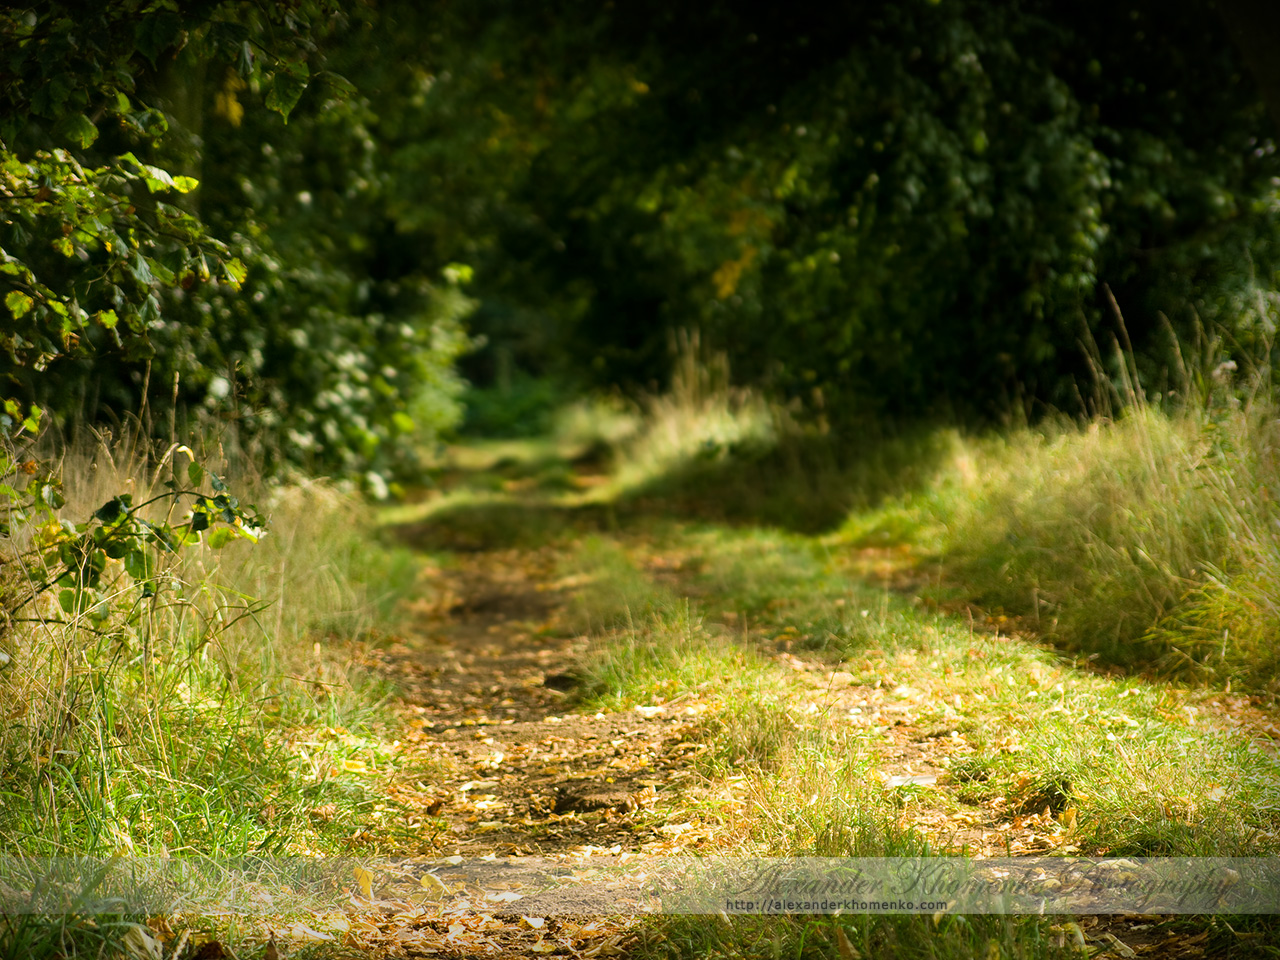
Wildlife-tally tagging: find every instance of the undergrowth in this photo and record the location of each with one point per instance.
(209, 702)
(1151, 540)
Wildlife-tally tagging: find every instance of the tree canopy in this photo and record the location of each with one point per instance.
(268, 211)
(915, 207)
(158, 244)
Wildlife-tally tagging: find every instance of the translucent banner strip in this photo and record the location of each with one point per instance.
(625, 885)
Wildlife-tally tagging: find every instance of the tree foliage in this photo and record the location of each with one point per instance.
(887, 208)
(910, 207)
(92, 233)
(156, 240)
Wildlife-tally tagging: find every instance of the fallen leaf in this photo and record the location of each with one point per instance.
(300, 931)
(504, 897)
(141, 944)
(926, 780)
(1118, 945)
(847, 950)
(1068, 819)
(432, 886)
(365, 879)
(605, 948)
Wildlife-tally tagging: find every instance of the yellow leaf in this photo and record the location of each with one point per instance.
(19, 303)
(433, 886)
(1068, 819)
(139, 943)
(365, 879)
(300, 931)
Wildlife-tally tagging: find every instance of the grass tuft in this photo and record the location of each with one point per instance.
(206, 719)
(1151, 540)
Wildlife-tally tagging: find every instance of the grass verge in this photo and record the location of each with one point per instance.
(1150, 541)
(815, 754)
(215, 703)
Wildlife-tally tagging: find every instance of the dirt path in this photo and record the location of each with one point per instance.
(488, 679)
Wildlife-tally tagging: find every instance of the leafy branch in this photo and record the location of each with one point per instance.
(74, 557)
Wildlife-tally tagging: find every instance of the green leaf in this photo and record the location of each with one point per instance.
(139, 564)
(67, 600)
(157, 33)
(156, 178)
(235, 272)
(51, 496)
(139, 348)
(99, 611)
(19, 303)
(185, 184)
(64, 246)
(80, 129)
(195, 473)
(287, 86)
(150, 123)
(106, 319)
(336, 85)
(220, 537)
(113, 510)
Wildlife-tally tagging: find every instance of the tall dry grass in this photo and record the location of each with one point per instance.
(1148, 538)
(702, 417)
(168, 725)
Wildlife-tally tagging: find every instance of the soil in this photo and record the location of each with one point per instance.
(581, 801)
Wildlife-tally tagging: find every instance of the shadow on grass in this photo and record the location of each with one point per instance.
(804, 485)
(502, 523)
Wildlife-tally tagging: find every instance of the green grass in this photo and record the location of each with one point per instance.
(175, 733)
(1135, 542)
(669, 656)
(1150, 541)
(1123, 767)
(226, 725)
(612, 591)
(231, 714)
(908, 937)
(1119, 767)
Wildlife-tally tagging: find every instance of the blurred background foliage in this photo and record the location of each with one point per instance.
(884, 210)
(909, 207)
